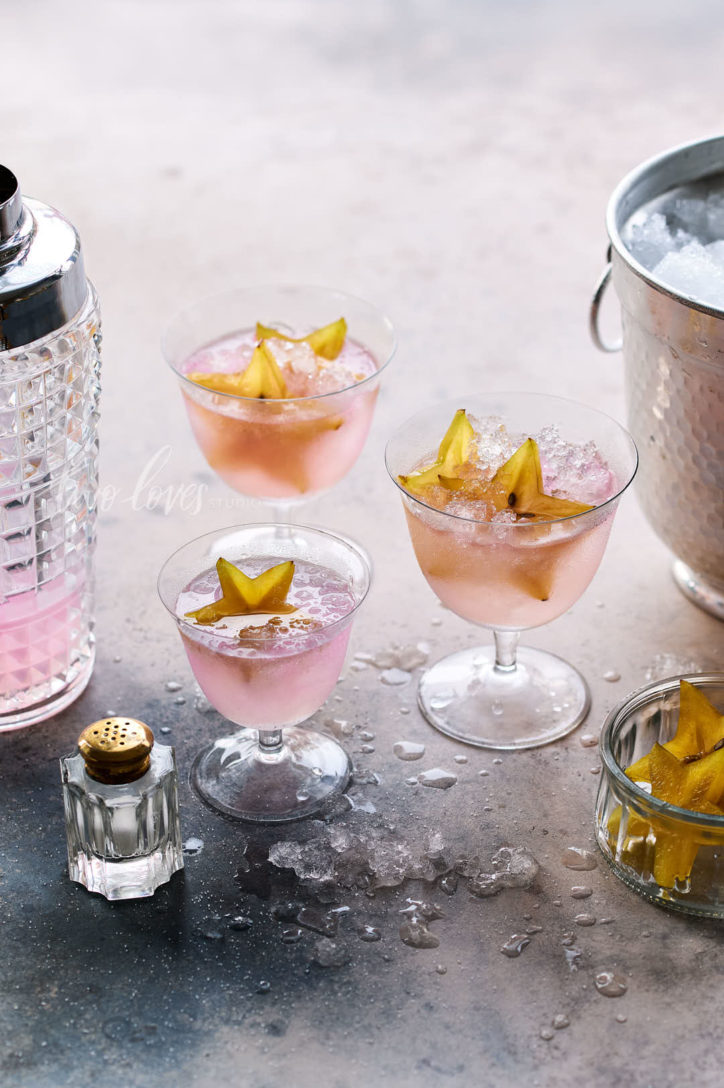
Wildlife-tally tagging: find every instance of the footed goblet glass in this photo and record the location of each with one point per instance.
(508, 571)
(304, 437)
(267, 673)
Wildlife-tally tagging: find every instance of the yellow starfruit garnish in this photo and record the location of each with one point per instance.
(262, 378)
(245, 596)
(687, 771)
(518, 484)
(453, 452)
(700, 728)
(327, 341)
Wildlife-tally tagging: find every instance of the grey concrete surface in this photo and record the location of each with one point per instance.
(450, 162)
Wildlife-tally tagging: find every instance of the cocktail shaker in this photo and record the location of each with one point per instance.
(49, 391)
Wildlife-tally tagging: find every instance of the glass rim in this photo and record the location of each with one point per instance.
(277, 287)
(523, 523)
(339, 538)
(615, 720)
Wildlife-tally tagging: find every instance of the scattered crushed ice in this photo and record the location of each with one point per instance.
(395, 677)
(588, 740)
(328, 953)
(512, 867)
(192, 847)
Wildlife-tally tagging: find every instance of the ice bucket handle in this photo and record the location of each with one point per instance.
(596, 301)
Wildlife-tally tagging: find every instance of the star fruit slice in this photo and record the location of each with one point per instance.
(245, 596)
(327, 341)
(454, 451)
(518, 484)
(696, 786)
(262, 378)
(700, 728)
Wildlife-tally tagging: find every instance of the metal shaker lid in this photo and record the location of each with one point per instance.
(116, 749)
(42, 279)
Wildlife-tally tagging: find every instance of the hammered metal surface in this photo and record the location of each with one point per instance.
(675, 400)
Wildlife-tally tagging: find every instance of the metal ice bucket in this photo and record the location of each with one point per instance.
(674, 373)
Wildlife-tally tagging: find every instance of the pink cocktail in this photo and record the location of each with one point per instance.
(288, 447)
(269, 672)
(507, 570)
(44, 650)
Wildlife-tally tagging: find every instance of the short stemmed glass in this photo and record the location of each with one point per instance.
(281, 450)
(272, 679)
(509, 576)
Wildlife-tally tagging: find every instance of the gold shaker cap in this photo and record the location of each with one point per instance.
(116, 749)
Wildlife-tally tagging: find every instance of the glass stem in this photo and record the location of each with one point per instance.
(270, 740)
(506, 644)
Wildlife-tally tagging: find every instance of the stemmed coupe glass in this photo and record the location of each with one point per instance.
(279, 449)
(268, 678)
(511, 575)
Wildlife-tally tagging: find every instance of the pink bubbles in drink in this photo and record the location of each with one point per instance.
(266, 671)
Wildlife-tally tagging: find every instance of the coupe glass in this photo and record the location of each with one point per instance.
(280, 450)
(272, 768)
(508, 577)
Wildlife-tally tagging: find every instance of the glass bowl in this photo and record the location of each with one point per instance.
(629, 821)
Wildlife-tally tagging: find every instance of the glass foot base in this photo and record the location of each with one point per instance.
(239, 778)
(468, 698)
(706, 595)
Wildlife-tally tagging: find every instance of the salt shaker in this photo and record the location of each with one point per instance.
(121, 810)
(49, 390)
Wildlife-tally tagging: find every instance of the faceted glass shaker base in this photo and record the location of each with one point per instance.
(46, 708)
(468, 698)
(129, 878)
(239, 778)
(705, 594)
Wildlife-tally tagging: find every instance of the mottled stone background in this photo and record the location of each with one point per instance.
(451, 162)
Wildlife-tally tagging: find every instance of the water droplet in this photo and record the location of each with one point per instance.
(448, 883)
(366, 735)
(263, 987)
(291, 935)
(202, 704)
(581, 891)
(117, 659)
(441, 969)
(612, 676)
(547, 1034)
(621, 1018)
(461, 759)
(411, 782)
(179, 700)
(173, 685)
(515, 945)
(497, 707)
(594, 770)
(324, 924)
(240, 922)
(417, 935)
(436, 621)
(192, 847)
(404, 710)
(483, 773)
(610, 983)
(576, 857)
(588, 740)
(441, 699)
(532, 928)
(328, 953)
(437, 778)
(165, 730)
(497, 760)
(573, 958)
(585, 919)
(408, 750)
(369, 933)
(367, 749)
(560, 1021)
(395, 677)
